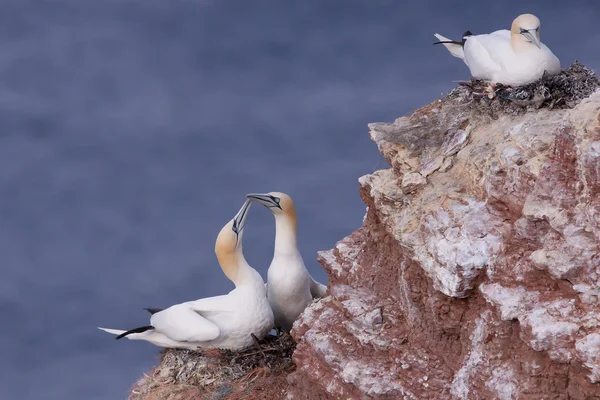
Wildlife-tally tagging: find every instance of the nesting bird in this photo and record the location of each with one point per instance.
(226, 322)
(514, 58)
(290, 288)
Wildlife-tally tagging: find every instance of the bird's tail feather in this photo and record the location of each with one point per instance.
(113, 331)
(455, 48)
(121, 334)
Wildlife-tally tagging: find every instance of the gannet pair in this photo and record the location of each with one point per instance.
(514, 58)
(227, 321)
(290, 288)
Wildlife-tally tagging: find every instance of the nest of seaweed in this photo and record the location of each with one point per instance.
(216, 374)
(564, 90)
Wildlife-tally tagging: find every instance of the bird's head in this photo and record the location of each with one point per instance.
(526, 28)
(279, 203)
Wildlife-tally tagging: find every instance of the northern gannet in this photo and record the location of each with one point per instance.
(289, 285)
(225, 322)
(515, 57)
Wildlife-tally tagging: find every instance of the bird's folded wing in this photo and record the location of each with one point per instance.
(214, 304)
(317, 289)
(181, 323)
(481, 52)
(503, 33)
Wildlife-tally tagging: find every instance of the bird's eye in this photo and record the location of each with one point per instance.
(234, 228)
(276, 200)
(523, 30)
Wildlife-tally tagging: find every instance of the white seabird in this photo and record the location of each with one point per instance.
(225, 322)
(515, 57)
(289, 285)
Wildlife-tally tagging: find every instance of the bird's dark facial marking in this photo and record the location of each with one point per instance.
(522, 31)
(276, 201)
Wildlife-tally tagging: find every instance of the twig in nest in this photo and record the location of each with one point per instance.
(256, 352)
(254, 374)
(257, 343)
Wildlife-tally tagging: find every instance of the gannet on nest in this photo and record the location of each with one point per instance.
(515, 57)
(289, 285)
(225, 322)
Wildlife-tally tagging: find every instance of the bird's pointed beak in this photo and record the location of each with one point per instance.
(532, 36)
(265, 199)
(239, 221)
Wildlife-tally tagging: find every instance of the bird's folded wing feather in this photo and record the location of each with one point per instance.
(503, 33)
(181, 323)
(214, 304)
(317, 289)
(481, 52)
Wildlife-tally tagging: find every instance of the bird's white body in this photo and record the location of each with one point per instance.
(505, 56)
(290, 288)
(225, 322)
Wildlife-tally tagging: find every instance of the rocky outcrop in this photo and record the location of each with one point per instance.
(476, 273)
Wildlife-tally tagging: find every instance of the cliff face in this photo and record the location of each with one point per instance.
(476, 272)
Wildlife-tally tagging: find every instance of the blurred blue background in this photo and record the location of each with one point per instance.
(130, 131)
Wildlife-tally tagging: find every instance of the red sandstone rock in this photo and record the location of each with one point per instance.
(479, 282)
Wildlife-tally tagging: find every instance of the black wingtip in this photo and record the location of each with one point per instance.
(449, 41)
(461, 43)
(464, 37)
(135, 330)
(153, 310)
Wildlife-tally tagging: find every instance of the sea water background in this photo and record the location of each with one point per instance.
(130, 131)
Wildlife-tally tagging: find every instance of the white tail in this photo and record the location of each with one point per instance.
(113, 331)
(456, 49)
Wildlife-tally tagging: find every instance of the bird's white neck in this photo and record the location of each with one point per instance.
(236, 268)
(285, 235)
(247, 276)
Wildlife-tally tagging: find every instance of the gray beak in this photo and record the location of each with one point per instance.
(265, 199)
(239, 221)
(531, 35)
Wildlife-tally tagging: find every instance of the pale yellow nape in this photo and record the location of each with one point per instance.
(288, 208)
(225, 249)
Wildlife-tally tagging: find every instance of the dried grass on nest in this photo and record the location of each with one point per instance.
(215, 373)
(564, 90)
